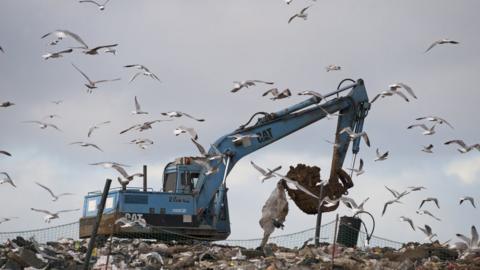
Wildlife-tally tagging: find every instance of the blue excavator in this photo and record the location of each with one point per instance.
(193, 201)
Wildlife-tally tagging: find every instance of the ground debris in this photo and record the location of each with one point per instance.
(137, 254)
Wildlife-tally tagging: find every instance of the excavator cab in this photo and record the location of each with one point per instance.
(181, 176)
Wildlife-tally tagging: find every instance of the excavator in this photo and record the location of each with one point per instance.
(193, 201)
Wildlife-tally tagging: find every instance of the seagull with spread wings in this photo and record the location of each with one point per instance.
(358, 171)
(427, 130)
(333, 68)
(125, 178)
(468, 198)
(43, 125)
(143, 71)
(182, 129)
(428, 232)
(428, 149)
(92, 84)
(6, 179)
(144, 126)
(354, 135)
(464, 148)
(312, 93)
(266, 174)
(428, 213)
(180, 114)
(138, 110)
(409, 220)
(108, 164)
(5, 219)
(350, 203)
(429, 199)
(100, 6)
(56, 54)
(380, 156)
(96, 126)
(142, 143)
(435, 119)
(441, 42)
(297, 184)
(6, 104)
(3, 152)
(277, 94)
(302, 14)
(60, 34)
(389, 93)
(51, 215)
(94, 51)
(237, 85)
(86, 144)
(54, 196)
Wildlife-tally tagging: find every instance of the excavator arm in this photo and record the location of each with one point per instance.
(353, 108)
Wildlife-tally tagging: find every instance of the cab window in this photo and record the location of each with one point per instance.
(170, 183)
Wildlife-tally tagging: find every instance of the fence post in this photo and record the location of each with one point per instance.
(319, 218)
(144, 178)
(93, 235)
(334, 242)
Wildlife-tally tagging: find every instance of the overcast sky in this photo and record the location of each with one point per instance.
(198, 48)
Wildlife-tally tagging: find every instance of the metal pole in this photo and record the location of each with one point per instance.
(144, 178)
(319, 218)
(93, 235)
(334, 242)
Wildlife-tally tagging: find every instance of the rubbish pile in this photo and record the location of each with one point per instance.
(144, 254)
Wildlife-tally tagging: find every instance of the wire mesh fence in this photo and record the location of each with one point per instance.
(347, 235)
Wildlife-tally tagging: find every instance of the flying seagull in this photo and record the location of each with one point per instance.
(329, 115)
(5, 219)
(242, 137)
(143, 71)
(311, 93)
(124, 178)
(389, 93)
(428, 232)
(350, 203)
(108, 164)
(100, 6)
(354, 135)
(410, 221)
(138, 110)
(358, 171)
(381, 156)
(205, 163)
(333, 68)
(430, 199)
(396, 200)
(1, 49)
(396, 86)
(435, 119)
(96, 126)
(54, 197)
(302, 14)
(297, 184)
(142, 143)
(182, 129)
(56, 54)
(51, 215)
(427, 130)
(471, 243)
(397, 194)
(464, 148)
(428, 149)
(94, 51)
(180, 114)
(85, 144)
(60, 34)
(144, 126)
(266, 174)
(5, 153)
(276, 94)
(425, 212)
(468, 198)
(92, 84)
(57, 102)
(43, 125)
(6, 104)
(245, 84)
(416, 188)
(215, 155)
(442, 41)
(6, 179)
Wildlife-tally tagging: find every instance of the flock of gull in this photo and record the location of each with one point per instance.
(399, 89)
